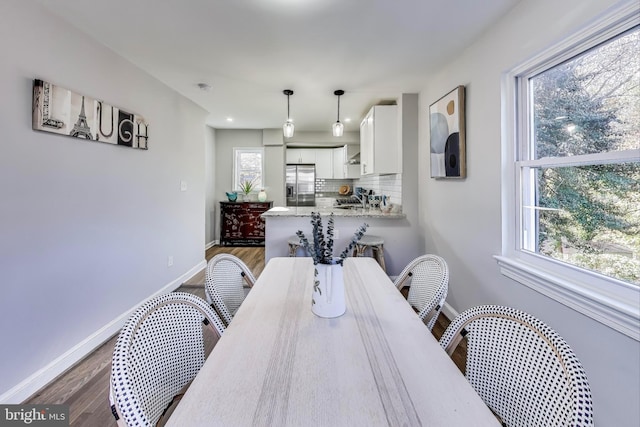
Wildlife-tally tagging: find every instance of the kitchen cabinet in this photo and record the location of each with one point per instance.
(342, 168)
(301, 156)
(324, 163)
(380, 145)
(241, 223)
(339, 159)
(352, 160)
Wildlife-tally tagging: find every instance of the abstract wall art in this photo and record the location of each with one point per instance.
(59, 110)
(447, 133)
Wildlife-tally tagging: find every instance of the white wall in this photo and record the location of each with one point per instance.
(462, 218)
(210, 188)
(86, 227)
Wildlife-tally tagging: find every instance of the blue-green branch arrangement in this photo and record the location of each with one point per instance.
(321, 250)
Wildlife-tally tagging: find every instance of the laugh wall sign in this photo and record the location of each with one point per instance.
(59, 110)
(447, 134)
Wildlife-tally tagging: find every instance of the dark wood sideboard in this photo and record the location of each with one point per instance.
(241, 224)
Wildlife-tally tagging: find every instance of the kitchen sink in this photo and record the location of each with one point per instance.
(348, 207)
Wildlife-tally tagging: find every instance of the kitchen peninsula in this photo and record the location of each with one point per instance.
(283, 222)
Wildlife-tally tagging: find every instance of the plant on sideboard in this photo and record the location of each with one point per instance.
(247, 186)
(321, 249)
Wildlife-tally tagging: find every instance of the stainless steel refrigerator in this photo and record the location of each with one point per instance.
(301, 185)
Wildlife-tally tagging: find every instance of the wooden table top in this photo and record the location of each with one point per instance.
(279, 365)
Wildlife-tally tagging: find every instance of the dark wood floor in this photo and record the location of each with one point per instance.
(85, 387)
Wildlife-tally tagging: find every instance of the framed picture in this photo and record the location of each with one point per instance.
(59, 110)
(447, 135)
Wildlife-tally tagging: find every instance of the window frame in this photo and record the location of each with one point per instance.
(236, 180)
(612, 302)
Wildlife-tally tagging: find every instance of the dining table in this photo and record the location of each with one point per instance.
(278, 364)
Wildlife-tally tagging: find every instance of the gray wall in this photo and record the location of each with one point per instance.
(274, 157)
(462, 218)
(210, 186)
(86, 227)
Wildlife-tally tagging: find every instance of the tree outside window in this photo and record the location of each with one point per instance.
(578, 162)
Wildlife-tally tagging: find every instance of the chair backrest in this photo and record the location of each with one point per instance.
(429, 286)
(159, 350)
(225, 279)
(523, 370)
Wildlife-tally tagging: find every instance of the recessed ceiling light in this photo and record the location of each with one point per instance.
(204, 86)
(229, 119)
(347, 119)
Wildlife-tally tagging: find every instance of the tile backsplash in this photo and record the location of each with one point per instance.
(330, 187)
(389, 185)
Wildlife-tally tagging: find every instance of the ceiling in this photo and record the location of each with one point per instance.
(249, 51)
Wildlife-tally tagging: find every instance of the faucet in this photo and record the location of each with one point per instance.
(363, 199)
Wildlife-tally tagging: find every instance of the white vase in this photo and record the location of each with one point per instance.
(328, 291)
(262, 196)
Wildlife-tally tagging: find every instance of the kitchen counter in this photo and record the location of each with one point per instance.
(305, 211)
(282, 223)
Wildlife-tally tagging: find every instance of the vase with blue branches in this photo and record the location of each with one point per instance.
(321, 248)
(328, 288)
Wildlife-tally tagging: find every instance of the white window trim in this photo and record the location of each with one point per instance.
(236, 184)
(607, 300)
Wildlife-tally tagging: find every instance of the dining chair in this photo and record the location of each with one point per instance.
(227, 282)
(159, 351)
(523, 370)
(429, 275)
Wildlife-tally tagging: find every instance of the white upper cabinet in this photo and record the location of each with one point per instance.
(324, 163)
(300, 156)
(339, 159)
(380, 147)
(331, 163)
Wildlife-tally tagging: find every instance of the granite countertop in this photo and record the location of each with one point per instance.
(280, 211)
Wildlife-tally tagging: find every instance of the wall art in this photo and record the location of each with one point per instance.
(447, 132)
(59, 110)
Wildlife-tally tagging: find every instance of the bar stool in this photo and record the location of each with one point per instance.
(376, 244)
(294, 244)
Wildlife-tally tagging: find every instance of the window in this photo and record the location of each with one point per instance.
(248, 167)
(573, 187)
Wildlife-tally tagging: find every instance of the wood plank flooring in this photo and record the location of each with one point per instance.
(85, 387)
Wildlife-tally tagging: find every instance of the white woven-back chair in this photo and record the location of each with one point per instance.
(158, 352)
(429, 276)
(227, 281)
(523, 370)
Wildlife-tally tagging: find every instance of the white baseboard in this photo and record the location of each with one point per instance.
(210, 244)
(449, 311)
(23, 390)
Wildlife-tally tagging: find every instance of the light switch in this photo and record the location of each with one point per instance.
(183, 185)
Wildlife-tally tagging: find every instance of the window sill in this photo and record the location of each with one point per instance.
(618, 307)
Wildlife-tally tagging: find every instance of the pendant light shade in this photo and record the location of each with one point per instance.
(338, 128)
(288, 127)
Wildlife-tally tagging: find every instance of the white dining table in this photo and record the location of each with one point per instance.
(278, 364)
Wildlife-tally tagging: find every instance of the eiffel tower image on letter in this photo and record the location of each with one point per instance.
(81, 128)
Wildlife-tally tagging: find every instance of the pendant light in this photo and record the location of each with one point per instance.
(338, 128)
(287, 128)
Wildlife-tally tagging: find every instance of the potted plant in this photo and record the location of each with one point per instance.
(246, 186)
